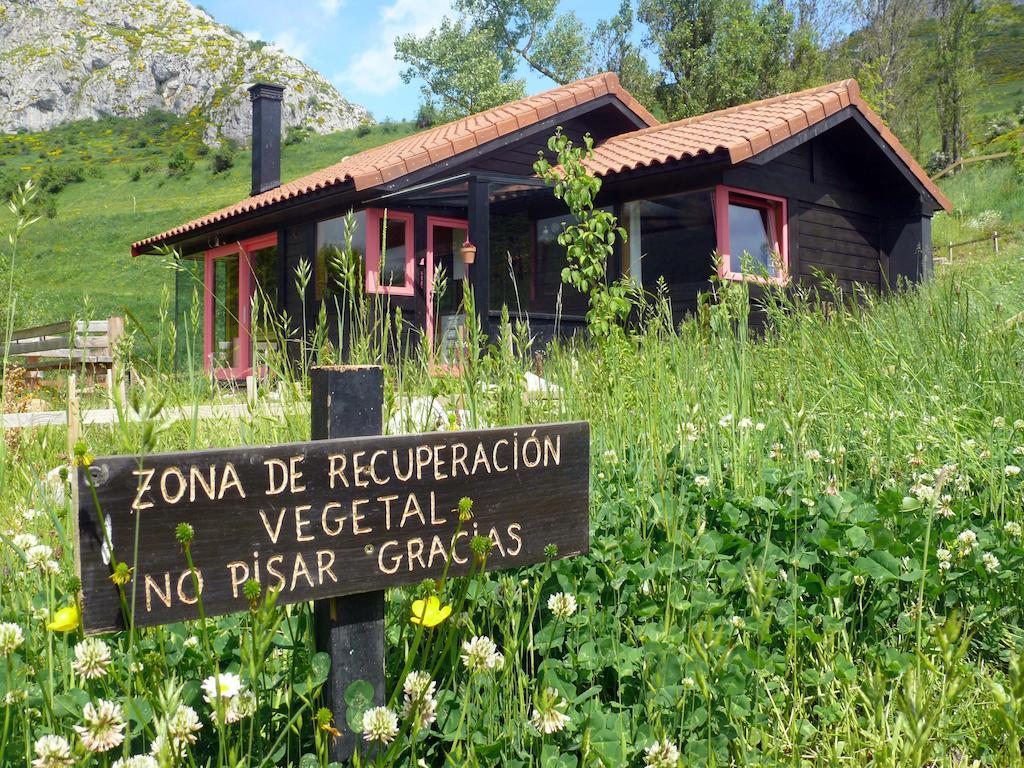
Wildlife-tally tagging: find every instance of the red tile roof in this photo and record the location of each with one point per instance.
(390, 161)
(740, 132)
(744, 131)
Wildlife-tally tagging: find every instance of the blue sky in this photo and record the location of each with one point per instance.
(350, 41)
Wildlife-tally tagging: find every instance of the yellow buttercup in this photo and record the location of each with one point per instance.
(64, 620)
(429, 612)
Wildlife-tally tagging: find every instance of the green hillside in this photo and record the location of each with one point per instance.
(106, 184)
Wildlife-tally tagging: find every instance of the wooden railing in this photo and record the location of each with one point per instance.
(86, 345)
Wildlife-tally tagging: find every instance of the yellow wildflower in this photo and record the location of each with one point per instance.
(429, 612)
(64, 620)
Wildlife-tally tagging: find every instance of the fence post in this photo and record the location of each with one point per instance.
(348, 401)
(950, 253)
(995, 242)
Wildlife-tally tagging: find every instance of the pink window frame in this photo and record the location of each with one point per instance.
(437, 221)
(374, 217)
(246, 286)
(778, 226)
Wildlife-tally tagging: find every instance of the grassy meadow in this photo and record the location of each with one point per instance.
(806, 551)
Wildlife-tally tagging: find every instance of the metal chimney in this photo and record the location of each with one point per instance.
(266, 136)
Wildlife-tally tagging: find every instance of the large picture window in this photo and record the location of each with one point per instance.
(671, 238)
(752, 235)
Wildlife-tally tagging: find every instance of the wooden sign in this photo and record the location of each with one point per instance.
(324, 518)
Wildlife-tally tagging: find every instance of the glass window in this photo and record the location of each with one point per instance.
(751, 234)
(227, 349)
(332, 262)
(550, 292)
(393, 234)
(670, 238)
(389, 257)
(750, 237)
(511, 261)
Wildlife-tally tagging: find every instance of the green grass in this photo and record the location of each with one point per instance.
(765, 587)
(81, 256)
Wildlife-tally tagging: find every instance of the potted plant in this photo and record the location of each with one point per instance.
(468, 252)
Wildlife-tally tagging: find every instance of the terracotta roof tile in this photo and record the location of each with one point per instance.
(738, 132)
(378, 165)
(745, 130)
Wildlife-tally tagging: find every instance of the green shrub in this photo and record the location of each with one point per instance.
(180, 164)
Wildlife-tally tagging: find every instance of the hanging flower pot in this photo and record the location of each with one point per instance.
(468, 252)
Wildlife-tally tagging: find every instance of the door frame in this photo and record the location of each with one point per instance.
(428, 291)
(246, 286)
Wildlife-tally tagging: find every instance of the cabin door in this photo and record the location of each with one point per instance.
(445, 275)
(233, 274)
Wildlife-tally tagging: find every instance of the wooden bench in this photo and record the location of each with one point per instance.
(86, 346)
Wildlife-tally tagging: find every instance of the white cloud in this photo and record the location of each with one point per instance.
(330, 7)
(374, 68)
(292, 42)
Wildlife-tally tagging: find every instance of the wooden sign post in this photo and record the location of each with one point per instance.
(335, 520)
(349, 402)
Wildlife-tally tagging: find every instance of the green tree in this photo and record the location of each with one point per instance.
(460, 69)
(470, 64)
(716, 53)
(959, 26)
(613, 50)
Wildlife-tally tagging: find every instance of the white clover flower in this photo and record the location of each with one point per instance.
(689, 431)
(183, 725)
(548, 714)
(783, 575)
(745, 423)
(480, 654)
(701, 481)
(944, 555)
(137, 761)
(1018, 450)
(11, 637)
(17, 696)
(52, 752)
(193, 642)
(776, 451)
(760, 426)
(737, 622)
(990, 561)
(419, 706)
(1018, 424)
(103, 727)
(24, 541)
(562, 604)
(40, 558)
(998, 422)
(812, 454)
(661, 754)
(380, 724)
(240, 706)
(1013, 528)
(611, 457)
(725, 421)
(1011, 470)
(92, 657)
(860, 580)
(967, 542)
(689, 682)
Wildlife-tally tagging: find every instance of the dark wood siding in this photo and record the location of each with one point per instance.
(840, 243)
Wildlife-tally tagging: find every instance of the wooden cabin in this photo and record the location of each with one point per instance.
(791, 186)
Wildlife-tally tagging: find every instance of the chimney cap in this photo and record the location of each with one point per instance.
(266, 91)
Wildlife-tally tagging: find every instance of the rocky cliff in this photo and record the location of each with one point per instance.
(63, 60)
